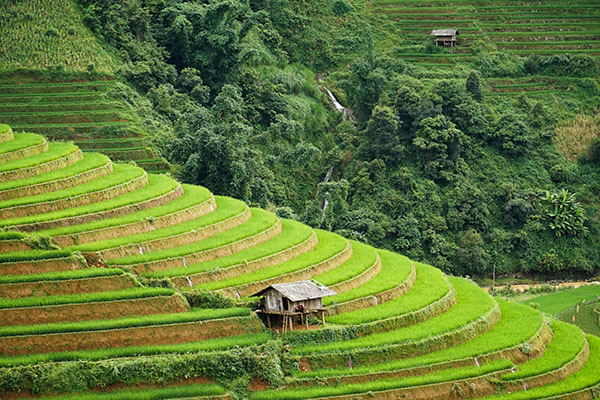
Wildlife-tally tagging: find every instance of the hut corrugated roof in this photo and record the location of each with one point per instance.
(444, 32)
(301, 290)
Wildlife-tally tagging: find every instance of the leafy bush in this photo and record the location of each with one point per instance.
(341, 7)
(207, 299)
(565, 215)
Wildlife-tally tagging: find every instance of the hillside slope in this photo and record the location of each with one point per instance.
(124, 282)
(57, 79)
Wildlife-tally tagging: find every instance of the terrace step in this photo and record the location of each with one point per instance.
(158, 192)
(44, 166)
(430, 335)
(6, 134)
(128, 179)
(330, 248)
(172, 333)
(22, 146)
(252, 259)
(37, 107)
(220, 245)
(53, 285)
(396, 277)
(63, 117)
(74, 312)
(148, 221)
(303, 274)
(30, 267)
(57, 184)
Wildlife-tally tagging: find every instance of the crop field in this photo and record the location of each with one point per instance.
(555, 28)
(142, 293)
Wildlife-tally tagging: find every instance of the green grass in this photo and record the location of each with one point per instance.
(55, 151)
(157, 186)
(91, 355)
(122, 323)
(518, 324)
(586, 377)
(586, 319)
(558, 301)
(32, 255)
(471, 303)
(61, 275)
(192, 195)
(127, 294)
(60, 106)
(21, 141)
(122, 173)
(329, 244)
(26, 43)
(260, 221)
(226, 208)
(89, 162)
(394, 271)
(4, 128)
(173, 392)
(382, 384)
(566, 343)
(363, 257)
(429, 287)
(293, 233)
(11, 235)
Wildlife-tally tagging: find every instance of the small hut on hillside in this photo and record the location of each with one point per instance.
(290, 300)
(445, 37)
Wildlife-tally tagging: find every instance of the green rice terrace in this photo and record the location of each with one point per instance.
(77, 98)
(513, 28)
(120, 284)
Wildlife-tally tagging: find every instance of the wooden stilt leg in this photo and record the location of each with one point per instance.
(323, 318)
(269, 320)
(306, 320)
(291, 319)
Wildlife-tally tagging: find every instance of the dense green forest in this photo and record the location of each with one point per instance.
(428, 164)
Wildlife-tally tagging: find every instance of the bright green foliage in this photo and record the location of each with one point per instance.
(584, 378)
(518, 324)
(126, 294)
(55, 151)
(42, 34)
(136, 351)
(158, 185)
(187, 391)
(328, 246)
(61, 275)
(566, 214)
(429, 287)
(293, 234)
(554, 303)
(566, 343)
(90, 161)
(122, 174)
(363, 257)
(394, 270)
(471, 304)
(21, 141)
(121, 323)
(261, 220)
(384, 384)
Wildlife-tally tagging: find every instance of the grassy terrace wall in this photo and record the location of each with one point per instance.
(117, 295)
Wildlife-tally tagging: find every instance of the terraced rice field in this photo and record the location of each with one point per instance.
(102, 267)
(85, 112)
(521, 28)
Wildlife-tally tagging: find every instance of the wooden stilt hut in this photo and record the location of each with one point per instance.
(293, 300)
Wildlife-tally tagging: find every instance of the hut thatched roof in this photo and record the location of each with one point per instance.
(301, 290)
(444, 32)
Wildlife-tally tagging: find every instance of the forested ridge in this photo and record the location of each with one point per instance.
(430, 164)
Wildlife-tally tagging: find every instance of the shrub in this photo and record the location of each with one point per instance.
(565, 215)
(208, 299)
(341, 7)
